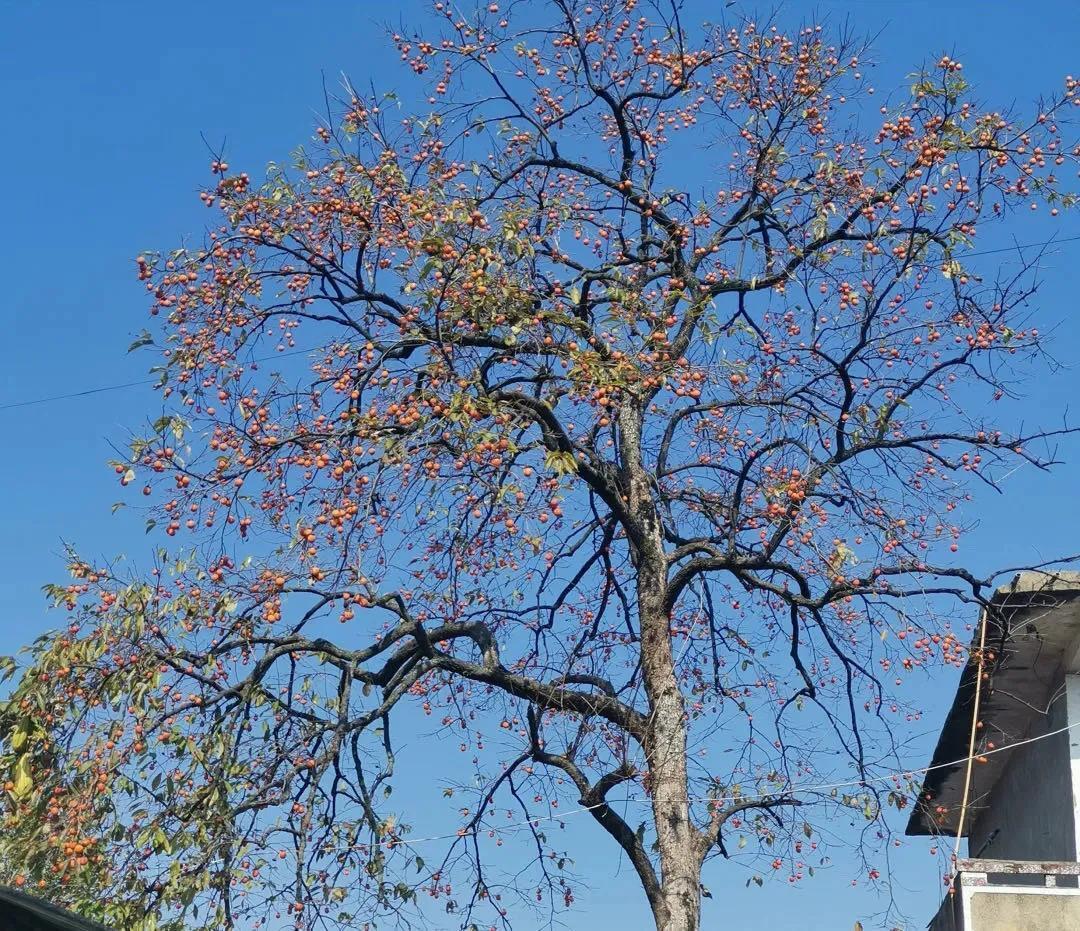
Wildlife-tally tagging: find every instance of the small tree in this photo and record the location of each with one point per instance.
(642, 483)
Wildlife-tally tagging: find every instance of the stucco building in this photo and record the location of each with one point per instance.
(1022, 824)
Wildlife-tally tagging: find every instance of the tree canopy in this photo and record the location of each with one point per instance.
(633, 482)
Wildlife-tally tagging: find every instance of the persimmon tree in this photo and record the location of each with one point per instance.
(646, 373)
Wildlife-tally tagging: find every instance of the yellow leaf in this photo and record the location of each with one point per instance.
(18, 736)
(560, 463)
(23, 781)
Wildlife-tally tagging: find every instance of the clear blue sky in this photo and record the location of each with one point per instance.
(104, 107)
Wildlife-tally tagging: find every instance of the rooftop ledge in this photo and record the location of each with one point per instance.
(977, 872)
(22, 912)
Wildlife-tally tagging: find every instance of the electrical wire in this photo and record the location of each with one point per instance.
(131, 384)
(765, 796)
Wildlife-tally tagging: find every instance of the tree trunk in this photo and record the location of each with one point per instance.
(665, 745)
(679, 841)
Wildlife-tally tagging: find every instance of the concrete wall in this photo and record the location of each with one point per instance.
(1008, 907)
(1013, 911)
(1031, 806)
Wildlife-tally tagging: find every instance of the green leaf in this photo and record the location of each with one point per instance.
(143, 339)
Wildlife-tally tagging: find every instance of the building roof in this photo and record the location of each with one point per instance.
(1033, 632)
(22, 912)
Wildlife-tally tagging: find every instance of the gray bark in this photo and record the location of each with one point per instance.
(678, 906)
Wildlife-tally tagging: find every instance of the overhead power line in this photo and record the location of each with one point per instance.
(76, 394)
(128, 384)
(148, 381)
(780, 793)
